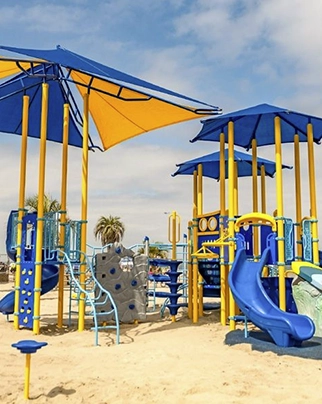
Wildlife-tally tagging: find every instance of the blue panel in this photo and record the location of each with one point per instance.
(26, 294)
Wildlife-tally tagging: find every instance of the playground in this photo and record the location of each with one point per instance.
(225, 289)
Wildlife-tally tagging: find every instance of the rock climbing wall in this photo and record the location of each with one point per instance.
(124, 274)
(308, 300)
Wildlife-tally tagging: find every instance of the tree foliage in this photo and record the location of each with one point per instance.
(50, 204)
(109, 229)
(155, 251)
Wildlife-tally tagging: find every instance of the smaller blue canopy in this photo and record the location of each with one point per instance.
(258, 123)
(211, 165)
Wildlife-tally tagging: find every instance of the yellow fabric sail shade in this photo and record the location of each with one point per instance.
(10, 67)
(120, 113)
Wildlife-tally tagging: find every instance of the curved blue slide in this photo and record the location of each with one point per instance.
(286, 329)
(49, 281)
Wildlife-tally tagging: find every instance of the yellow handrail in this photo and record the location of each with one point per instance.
(255, 218)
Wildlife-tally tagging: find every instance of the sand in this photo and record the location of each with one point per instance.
(157, 362)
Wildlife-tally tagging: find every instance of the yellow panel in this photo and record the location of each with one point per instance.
(9, 67)
(117, 119)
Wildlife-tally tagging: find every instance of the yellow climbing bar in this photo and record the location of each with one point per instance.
(255, 218)
(220, 242)
(204, 252)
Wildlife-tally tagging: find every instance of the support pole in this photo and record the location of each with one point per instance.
(224, 303)
(236, 207)
(174, 232)
(315, 239)
(297, 168)
(40, 208)
(63, 214)
(195, 272)
(83, 264)
(231, 223)
(27, 376)
(255, 197)
(21, 204)
(280, 213)
(263, 189)
(174, 238)
(200, 212)
(190, 276)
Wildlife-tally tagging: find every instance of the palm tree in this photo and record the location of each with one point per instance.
(50, 204)
(51, 208)
(109, 229)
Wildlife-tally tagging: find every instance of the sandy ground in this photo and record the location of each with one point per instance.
(157, 362)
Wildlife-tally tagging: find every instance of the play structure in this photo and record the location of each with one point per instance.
(255, 251)
(116, 278)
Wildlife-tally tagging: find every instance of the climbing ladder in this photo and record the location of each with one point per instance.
(95, 296)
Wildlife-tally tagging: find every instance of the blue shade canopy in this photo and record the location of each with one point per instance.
(258, 123)
(11, 100)
(211, 165)
(119, 110)
(71, 60)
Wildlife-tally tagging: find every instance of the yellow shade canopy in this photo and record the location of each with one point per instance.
(121, 106)
(121, 113)
(12, 67)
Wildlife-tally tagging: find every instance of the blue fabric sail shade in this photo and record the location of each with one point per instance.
(72, 60)
(258, 123)
(211, 165)
(11, 99)
(120, 106)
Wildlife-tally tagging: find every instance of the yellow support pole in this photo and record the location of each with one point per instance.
(313, 214)
(40, 208)
(255, 197)
(81, 307)
(236, 188)
(21, 204)
(174, 228)
(231, 227)
(27, 376)
(190, 277)
(280, 213)
(223, 270)
(263, 201)
(174, 232)
(297, 168)
(263, 189)
(195, 271)
(200, 190)
(174, 238)
(200, 212)
(63, 214)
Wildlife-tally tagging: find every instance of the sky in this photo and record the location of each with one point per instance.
(230, 53)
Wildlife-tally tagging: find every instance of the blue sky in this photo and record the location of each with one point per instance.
(230, 53)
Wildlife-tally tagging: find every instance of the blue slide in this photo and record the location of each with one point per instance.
(49, 281)
(286, 329)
